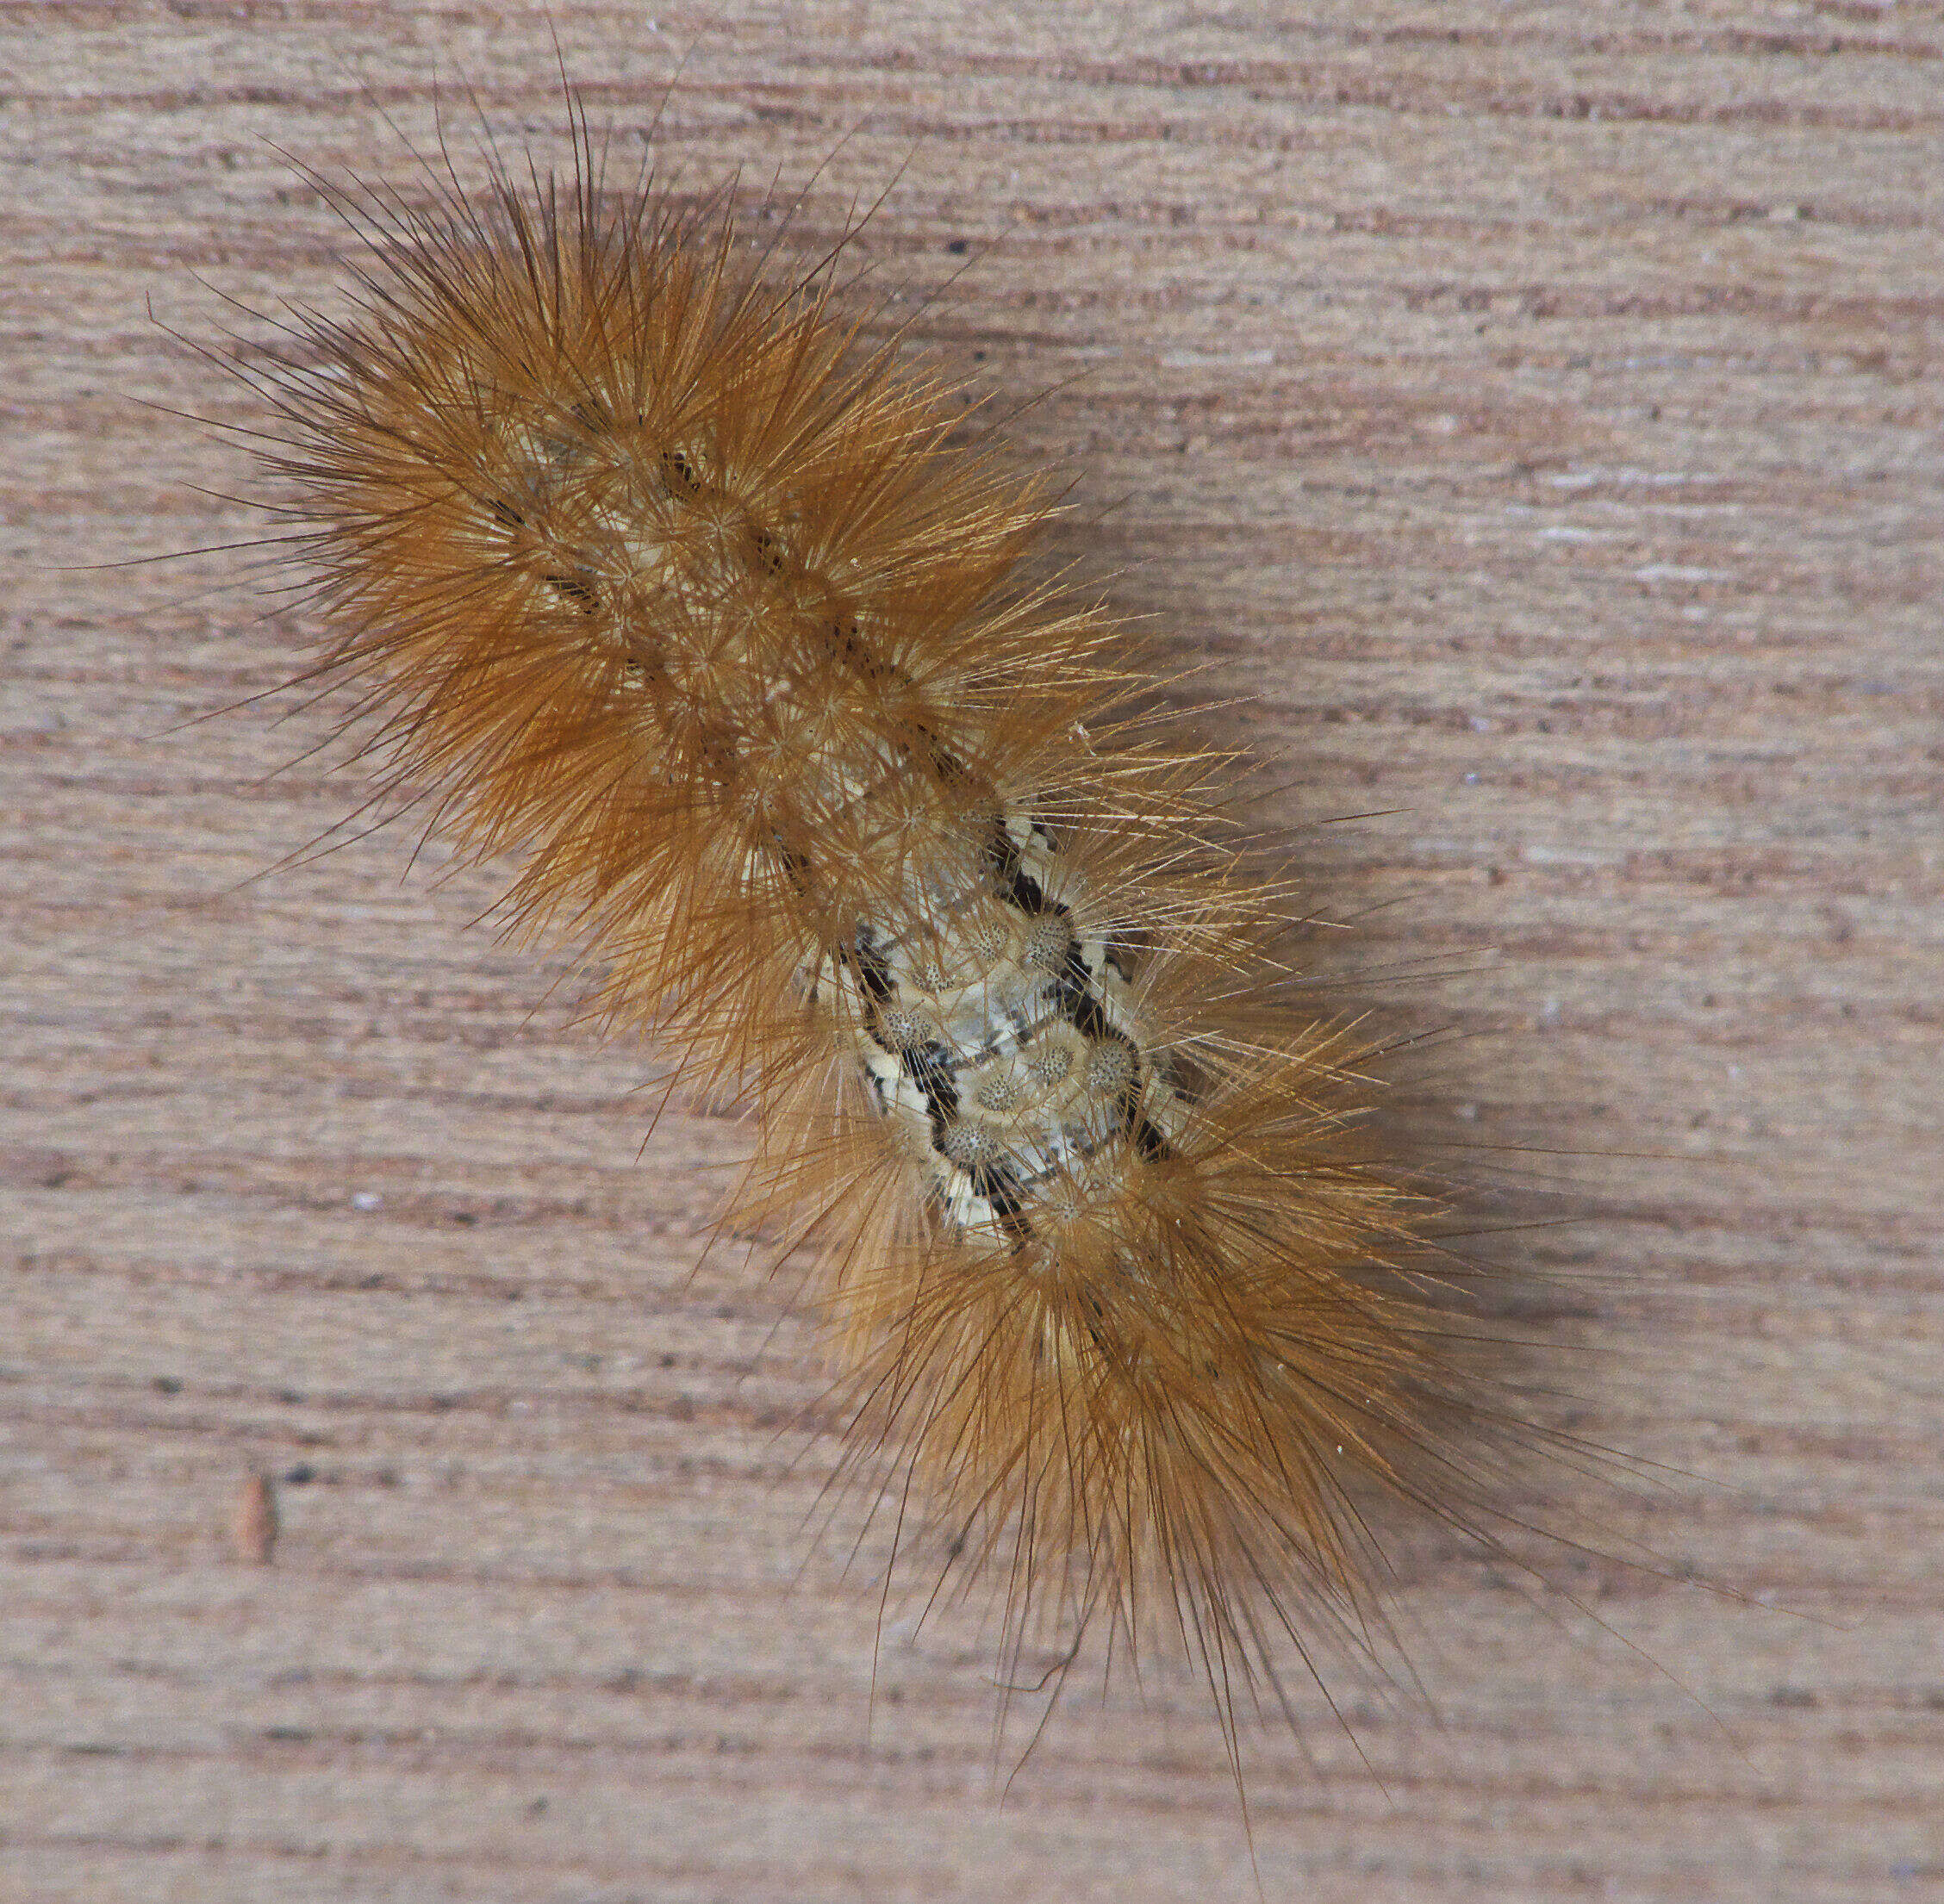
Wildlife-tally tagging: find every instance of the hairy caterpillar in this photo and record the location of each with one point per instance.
(702, 609)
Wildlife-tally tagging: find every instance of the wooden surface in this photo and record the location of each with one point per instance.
(1534, 413)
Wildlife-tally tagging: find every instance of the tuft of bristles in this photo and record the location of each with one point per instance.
(699, 607)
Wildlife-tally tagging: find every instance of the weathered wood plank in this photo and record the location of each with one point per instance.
(1533, 412)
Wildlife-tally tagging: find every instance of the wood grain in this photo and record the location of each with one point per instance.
(1529, 417)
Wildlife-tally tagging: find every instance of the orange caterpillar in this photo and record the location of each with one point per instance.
(699, 610)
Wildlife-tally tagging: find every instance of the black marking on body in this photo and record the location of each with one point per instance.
(1016, 886)
(932, 1068)
(574, 590)
(872, 970)
(944, 763)
(1001, 1189)
(769, 551)
(849, 647)
(1073, 991)
(1073, 988)
(929, 1065)
(1136, 1125)
(793, 865)
(919, 747)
